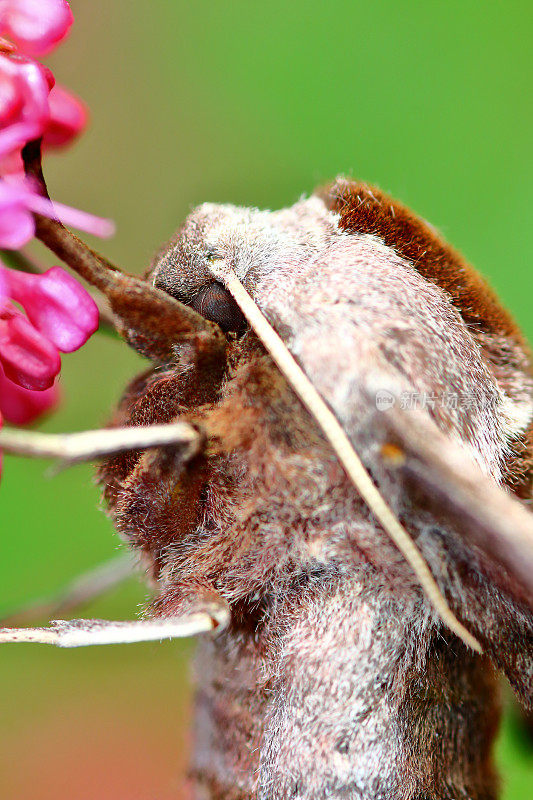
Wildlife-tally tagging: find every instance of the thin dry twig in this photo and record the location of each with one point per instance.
(84, 632)
(72, 448)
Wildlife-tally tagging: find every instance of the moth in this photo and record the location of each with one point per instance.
(341, 663)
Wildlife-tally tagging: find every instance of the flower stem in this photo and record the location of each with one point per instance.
(150, 320)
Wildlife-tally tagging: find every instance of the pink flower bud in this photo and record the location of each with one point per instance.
(21, 406)
(57, 305)
(24, 109)
(29, 359)
(68, 117)
(37, 26)
(24, 89)
(11, 99)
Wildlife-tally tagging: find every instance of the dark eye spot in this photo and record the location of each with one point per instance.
(215, 303)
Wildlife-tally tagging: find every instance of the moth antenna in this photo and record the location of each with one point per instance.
(150, 320)
(72, 448)
(343, 448)
(84, 632)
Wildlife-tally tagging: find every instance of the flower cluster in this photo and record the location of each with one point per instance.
(31, 106)
(41, 315)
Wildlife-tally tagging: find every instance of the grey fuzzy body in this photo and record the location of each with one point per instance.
(346, 693)
(335, 678)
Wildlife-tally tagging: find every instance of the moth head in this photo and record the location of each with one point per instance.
(253, 243)
(183, 267)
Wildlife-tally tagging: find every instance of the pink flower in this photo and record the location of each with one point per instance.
(68, 117)
(31, 106)
(21, 406)
(18, 201)
(18, 405)
(57, 305)
(27, 113)
(36, 26)
(61, 316)
(24, 89)
(28, 358)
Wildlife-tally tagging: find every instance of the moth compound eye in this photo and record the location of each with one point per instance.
(215, 303)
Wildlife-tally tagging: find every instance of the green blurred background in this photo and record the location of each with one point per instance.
(251, 103)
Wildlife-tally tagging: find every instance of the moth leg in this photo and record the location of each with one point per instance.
(475, 535)
(71, 448)
(487, 518)
(86, 587)
(83, 632)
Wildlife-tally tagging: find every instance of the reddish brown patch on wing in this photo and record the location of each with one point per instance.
(160, 502)
(151, 398)
(366, 209)
(160, 396)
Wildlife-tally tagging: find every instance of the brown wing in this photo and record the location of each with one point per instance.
(366, 209)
